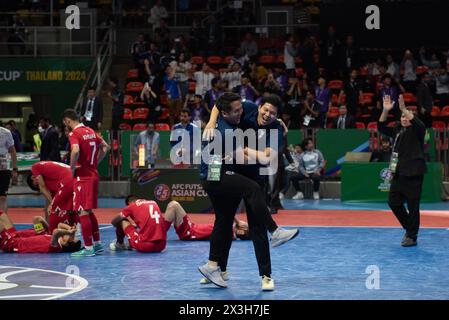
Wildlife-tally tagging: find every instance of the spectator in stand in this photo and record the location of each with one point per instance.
(203, 79)
(392, 68)
(281, 77)
(50, 141)
(246, 90)
(157, 14)
(349, 56)
(181, 138)
(238, 57)
(293, 99)
(292, 171)
(151, 140)
(137, 48)
(424, 99)
(233, 75)
(323, 97)
(214, 34)
(388, 89)
(309, 59)
(149, 97)
(198, 112)
(92, 110)
(213, 94)
(117, 97)
(173, 94)
(290, 52)
(384, 154)
(162, 37)
(18, 35)
(249, 46)
(408, 71)
(330, 50)
(271, 85)
(300, 13)
(352, 89)
(311, 163)
(442, 86)
(433, 63)
(11, 126)
(344, 120)
(31, 130)
(196, 37)
(310, 111)
(183, 71)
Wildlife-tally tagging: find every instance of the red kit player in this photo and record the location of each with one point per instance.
(87, 150)
(54, 180)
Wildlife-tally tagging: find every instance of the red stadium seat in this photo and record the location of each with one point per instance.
(332, 113)
(299, 72)
(412, 108)
(227, 59)
(363, 71)
(360, 125)
(421, 69)
(409, 97)
(435, 112)
(162, 127)
(124, 126)
(334, 99)
(444, 112)
(141, 113)
(127, 113)
(280, 59)
(215, 60)
(440, 125)
(335, 84)
(197, 60)
(298, 60)
(164, 99)
(392, 124)
(128, 100)
(192, 86)
(165, 114)
(140, 127)
(133, 73)
(267, 59)
(367, 98)
(134, 86)
(372, 126)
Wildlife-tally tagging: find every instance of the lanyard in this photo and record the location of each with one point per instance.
(398, 139)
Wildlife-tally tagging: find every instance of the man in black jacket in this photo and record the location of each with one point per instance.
(50, 141)
(425, 100)
(344, 120)
(407, 166)
(117, 97)
(92, 111)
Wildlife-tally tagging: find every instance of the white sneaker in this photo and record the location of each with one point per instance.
(316, 196)
(224, 275)
(298, 196)
(115, 246)
(267, 284)
(281, 196)
(281, 236)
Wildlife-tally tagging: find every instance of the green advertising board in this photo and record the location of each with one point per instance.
(165, 185)
(60, 78)
(365, 182)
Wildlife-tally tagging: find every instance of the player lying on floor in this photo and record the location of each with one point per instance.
(146, 227)
(62, 238)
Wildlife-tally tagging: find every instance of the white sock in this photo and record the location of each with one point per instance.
(89, 247)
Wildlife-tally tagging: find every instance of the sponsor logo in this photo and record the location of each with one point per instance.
(162, 192)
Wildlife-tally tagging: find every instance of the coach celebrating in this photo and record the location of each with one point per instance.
(407, 166)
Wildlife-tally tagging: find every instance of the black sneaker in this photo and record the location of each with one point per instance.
(408, 242)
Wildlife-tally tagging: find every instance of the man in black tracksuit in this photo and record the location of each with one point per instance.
(408, 169)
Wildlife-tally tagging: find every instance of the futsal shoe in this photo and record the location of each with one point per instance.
(267, 284)
(316, 196)
(84, 253)
(224, 275)
(213, 274)
(115, 246)
(98, 248)
(281, 196)
(281, 236)
(408, 242)
(298, 196)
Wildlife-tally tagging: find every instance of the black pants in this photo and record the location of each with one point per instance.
(296, 177)
(406, 189)
(5, 178)
(225, 196)
(116, 120)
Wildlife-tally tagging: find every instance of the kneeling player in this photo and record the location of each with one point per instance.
(27, 241)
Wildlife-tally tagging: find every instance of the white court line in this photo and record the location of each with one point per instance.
(51, 296)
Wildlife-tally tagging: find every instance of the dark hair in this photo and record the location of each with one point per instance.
(71, 114)
(198, 96)
(387, 75)
(246, 75)
(114, 79)
(215, 81)
(224, 102)
(150, 122)
(31, 184)
(72, 246)
(305, 142)
(185, 110)
(45, 118)
(312, 92)
(274, 100)
(130, 198)
(287, 36)
(91, 88)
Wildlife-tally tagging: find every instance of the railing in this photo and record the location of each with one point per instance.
(100, 67)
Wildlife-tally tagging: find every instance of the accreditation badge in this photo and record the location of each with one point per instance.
(214, 169)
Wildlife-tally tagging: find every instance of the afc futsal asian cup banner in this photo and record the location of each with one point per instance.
(165, 185)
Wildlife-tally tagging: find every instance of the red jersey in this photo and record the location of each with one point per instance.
(36, 244)
(148, 217)
(88, 141)
(53, 173)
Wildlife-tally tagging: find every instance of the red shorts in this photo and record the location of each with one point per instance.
(7, 239)
(190, 231)
(136, 242)
(54, 219)
(63, 199)
(85, 193)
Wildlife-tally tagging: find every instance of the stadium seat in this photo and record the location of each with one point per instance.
(440, 125)
(335, 84)
(134, 86)
(192, 86)
(435, 112)
(298, 60)
(214, 60)
(332, 113)
(280, 59)
(363, 71)
(360, 125)
(367, 98)
(444, 112)
(409, 97)
(372, 126)
(141, 113)
(299, 72)
(140, 127)
(128, 100)
(127, 114)
(124, 126)
(334, 99)
(133, 74)
(227, 59)
(164, 100)
(421, 70)
(267, 59)
(412, 108)
(165, 114)
(162, 127)
(392, 124)
(197, 60)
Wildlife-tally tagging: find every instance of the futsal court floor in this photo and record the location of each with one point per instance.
(344, 251)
